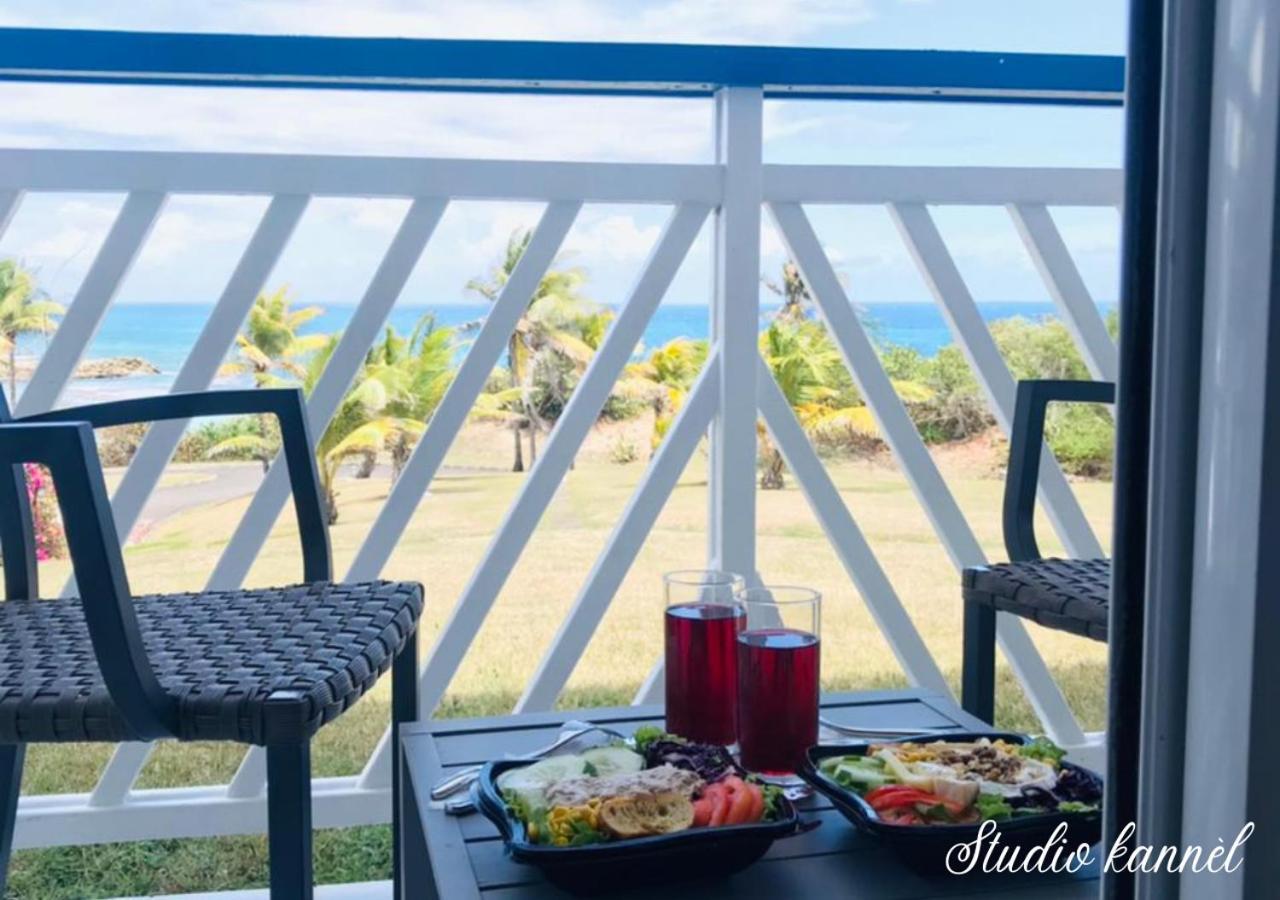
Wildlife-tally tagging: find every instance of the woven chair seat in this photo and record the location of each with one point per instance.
(1064, 594)
(254, 666)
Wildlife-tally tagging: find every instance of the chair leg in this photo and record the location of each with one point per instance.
(978, 676)
(289, 820)
(404, 708)
(11, 758)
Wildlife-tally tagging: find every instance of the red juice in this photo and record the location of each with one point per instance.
(702, 671)
(777, 698)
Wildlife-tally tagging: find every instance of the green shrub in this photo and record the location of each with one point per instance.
(956, 410)
(1082, 437)
(196, 443)
(623, 450)
(903, 363)
(630, 398)
(117, 444)
(1042, 349)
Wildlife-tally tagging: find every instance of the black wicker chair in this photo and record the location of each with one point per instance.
(266, 667)
(1064, 594)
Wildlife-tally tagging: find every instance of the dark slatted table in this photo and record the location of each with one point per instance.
(462, 858)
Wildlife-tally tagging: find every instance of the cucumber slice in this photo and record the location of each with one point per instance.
(613, 760)
(543, 773)
(528, 784)
(868, 777)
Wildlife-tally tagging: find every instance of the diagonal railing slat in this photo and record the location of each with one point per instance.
(461, 396)
(579, 415)
(115, 257)
(384, 288)
(207, 353)
(886, 406)
(922, 473)
(372, 311)
(501, 322)
(625, 541)
(10, 200)
(856, 555)
(197, 372)
(539, 487)
(1058, 270)
(940, 273)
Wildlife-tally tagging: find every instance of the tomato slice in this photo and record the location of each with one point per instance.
(720, 801)
(740, 802)
(701, 811)
(883, 799)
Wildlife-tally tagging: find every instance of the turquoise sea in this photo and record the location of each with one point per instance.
(164, 333)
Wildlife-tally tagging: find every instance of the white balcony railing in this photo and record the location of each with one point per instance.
(734, 389)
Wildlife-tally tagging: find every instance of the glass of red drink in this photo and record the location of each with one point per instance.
(702, 621)
(778, 679)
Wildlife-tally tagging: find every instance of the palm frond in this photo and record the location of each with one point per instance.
(241, 443)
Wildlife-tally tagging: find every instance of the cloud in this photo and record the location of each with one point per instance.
(634, 129)
(712, 21)
(615, 237)
(346, 122)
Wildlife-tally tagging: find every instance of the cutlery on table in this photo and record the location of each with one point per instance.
(882, 731)
(456, 781)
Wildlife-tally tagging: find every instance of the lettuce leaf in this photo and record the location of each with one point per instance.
(993, 806)
(1043, 749)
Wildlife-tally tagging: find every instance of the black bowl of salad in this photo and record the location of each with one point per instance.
(923, 797)
(654, 810)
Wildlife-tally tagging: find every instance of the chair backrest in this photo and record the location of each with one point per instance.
(17, 538)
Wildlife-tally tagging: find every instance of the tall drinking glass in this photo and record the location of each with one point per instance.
(703, 618)
(778, 678)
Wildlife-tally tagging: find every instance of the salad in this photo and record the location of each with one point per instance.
(655, 784)
(953, 782)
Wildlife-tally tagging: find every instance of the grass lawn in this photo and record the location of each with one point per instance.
(443, 544)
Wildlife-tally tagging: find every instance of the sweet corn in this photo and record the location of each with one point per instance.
(561, 818)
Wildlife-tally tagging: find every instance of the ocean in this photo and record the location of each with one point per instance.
(163, 333)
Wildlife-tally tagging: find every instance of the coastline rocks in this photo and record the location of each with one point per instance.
(115, 367)
(111, 367)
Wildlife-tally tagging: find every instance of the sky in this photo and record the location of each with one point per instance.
(339, 242)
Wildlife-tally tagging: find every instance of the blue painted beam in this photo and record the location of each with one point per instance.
(546, 67)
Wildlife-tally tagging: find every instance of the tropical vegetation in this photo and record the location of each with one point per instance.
(24, 309)
(549, 349)
(272, 349)
(404, 377)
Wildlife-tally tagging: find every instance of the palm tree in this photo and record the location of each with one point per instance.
(24, 309)
(414, 372)
(796, 299)
(271, 346)
(271, 350)
(808, 369)
(552, 343)
(672, 368)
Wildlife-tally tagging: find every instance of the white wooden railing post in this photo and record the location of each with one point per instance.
(735, 312)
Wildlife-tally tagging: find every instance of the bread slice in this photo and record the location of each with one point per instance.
(646, 814)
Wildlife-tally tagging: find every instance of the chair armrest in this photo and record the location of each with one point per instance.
(289, 409)
(70, 453)
(1025, 443)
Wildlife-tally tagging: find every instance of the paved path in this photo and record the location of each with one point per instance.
(218, 482)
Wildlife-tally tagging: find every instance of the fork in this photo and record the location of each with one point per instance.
(456, 781)
(888, 731)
